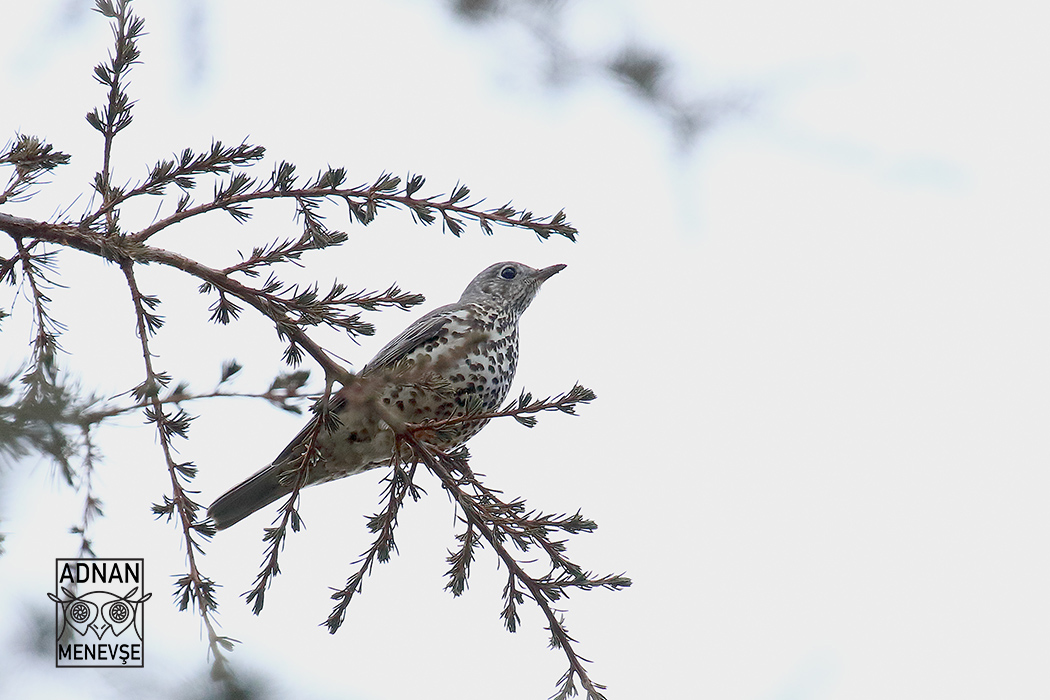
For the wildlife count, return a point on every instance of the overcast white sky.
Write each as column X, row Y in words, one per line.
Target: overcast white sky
column 818, row 339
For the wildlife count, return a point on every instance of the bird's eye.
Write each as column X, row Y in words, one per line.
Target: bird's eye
column 508, row 273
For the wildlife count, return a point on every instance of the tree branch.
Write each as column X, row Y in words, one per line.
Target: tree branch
column 363, row 202
column 119, row 249
column 196, row 588
column 441, row 466
column 298, row 471
column 400, row 483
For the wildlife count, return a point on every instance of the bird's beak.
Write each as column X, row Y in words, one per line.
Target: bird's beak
column 548, row 272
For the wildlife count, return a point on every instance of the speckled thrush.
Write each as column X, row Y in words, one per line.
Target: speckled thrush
column 455, row 360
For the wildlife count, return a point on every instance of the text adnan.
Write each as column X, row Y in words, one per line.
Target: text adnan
column 101, row 572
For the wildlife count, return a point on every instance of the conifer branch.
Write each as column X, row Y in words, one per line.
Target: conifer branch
column 399, row 484
column 120, row 249
column 115, row 115
column 363, row 203
column 193, row 587
column 31, row 158
column 44, row 371
column 495, row 523
column 297, row 474
column 521, row 410
column 279, row 398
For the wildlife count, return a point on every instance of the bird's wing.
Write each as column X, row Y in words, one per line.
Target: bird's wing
column 419, row 333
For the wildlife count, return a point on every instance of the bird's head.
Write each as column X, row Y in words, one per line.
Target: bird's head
column 510, row 284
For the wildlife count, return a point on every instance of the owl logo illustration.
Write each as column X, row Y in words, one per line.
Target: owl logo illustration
column 100, row 612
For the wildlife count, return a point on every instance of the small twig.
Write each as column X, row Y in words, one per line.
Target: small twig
column 565, row 403
column 218, row 160
column 196, row 587
column 277, row 397
column 400, row 484
column 506, row 216
column 289, row 514
column 31, row 158
column 433, row 459
column 116, row 114
column 44, row 339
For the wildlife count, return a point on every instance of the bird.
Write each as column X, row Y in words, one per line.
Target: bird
column 456, row 360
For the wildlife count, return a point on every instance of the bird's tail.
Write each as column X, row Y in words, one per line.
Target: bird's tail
column 245, row 498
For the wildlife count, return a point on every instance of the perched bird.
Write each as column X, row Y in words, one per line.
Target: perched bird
column 455, row 360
